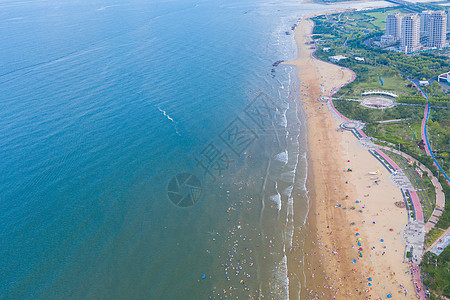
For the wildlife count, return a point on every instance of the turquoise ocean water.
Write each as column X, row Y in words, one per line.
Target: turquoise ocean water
column 148, row 148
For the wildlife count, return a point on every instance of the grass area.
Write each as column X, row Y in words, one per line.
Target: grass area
column 394, row 83
column 353, row 110
column 407, row 134
column 379, row 17
column 433, row 235
column 436, row 273
column 439, row 135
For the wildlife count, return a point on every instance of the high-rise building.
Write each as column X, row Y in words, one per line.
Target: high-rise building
column 448, row 20
column 424, row 22
column 410, row 33
column 393, row 25
column 438, row 29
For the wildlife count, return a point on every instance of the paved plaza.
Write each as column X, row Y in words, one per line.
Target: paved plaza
column 367, row 143
column 414, row 235
column 378, row 102
column 352, row 125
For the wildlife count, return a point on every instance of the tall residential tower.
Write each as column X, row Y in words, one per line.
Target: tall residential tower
column 393, row 25
column 437, row 29
column 410, row 30
column 425, row 22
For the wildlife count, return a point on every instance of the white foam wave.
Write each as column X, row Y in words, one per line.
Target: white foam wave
column 287, row 191
column 290, row 222
column 170, row 119
column 283, row 120
column 281, row 280
column 277, row 199
column 282, row 156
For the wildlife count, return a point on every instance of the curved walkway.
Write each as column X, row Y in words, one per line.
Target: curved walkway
column 426, row 115
column 440, row 196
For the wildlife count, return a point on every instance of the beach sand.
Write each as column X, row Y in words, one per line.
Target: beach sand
column 333, row 267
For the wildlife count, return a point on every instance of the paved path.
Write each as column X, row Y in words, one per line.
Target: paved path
column 442, row 241
column 393, row 120
column 440, row 196
column 414, row 235
column 417, row 281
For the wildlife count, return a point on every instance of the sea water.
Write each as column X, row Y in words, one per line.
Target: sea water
column 149, row 148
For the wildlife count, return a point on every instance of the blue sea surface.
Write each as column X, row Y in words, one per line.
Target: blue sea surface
column 148, row 148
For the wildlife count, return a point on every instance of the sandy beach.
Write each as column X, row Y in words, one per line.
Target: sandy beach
column 353, row 240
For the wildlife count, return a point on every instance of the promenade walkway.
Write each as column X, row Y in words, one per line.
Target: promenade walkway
column 415, row 269
column 440, row 196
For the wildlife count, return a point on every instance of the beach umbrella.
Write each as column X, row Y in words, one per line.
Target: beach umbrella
column 354, row 261
column 359, row 239
column 370, row 278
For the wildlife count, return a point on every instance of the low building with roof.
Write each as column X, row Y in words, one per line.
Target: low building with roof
column 444, row 77
column 336, row 58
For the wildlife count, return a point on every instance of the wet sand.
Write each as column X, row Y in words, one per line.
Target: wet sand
column 345, row 206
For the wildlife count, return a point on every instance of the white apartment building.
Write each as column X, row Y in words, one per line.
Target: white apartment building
column 424, row 22
column 448, row 20
column 410, row 33
column 393, row 25
column 437, row 29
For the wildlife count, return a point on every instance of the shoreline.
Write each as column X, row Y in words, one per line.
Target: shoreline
column 334, row 265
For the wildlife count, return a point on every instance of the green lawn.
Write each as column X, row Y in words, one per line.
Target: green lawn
column 393, row 83
column 380, row 17
column 433, row 235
